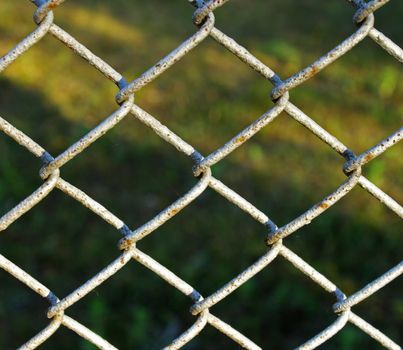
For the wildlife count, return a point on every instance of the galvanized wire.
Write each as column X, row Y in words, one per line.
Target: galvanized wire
column 51, row 174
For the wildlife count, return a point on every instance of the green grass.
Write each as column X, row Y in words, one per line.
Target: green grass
column 56, row 97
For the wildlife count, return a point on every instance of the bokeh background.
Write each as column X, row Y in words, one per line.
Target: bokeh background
column 56, row 97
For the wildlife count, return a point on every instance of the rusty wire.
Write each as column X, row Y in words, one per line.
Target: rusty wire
column 51, row 174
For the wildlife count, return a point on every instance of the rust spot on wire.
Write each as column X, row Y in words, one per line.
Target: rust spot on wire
column 324, row 205
column 369, row 157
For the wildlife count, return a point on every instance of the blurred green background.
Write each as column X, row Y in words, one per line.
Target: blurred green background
column 56, row 97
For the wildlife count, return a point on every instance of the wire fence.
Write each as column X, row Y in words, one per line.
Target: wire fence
column 50, row 173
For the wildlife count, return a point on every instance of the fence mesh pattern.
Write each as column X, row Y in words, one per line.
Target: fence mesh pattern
column 276, row 236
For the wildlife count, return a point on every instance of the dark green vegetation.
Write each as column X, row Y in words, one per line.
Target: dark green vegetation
column 55, row 97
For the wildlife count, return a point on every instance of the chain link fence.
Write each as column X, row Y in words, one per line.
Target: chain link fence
column 50, row 173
